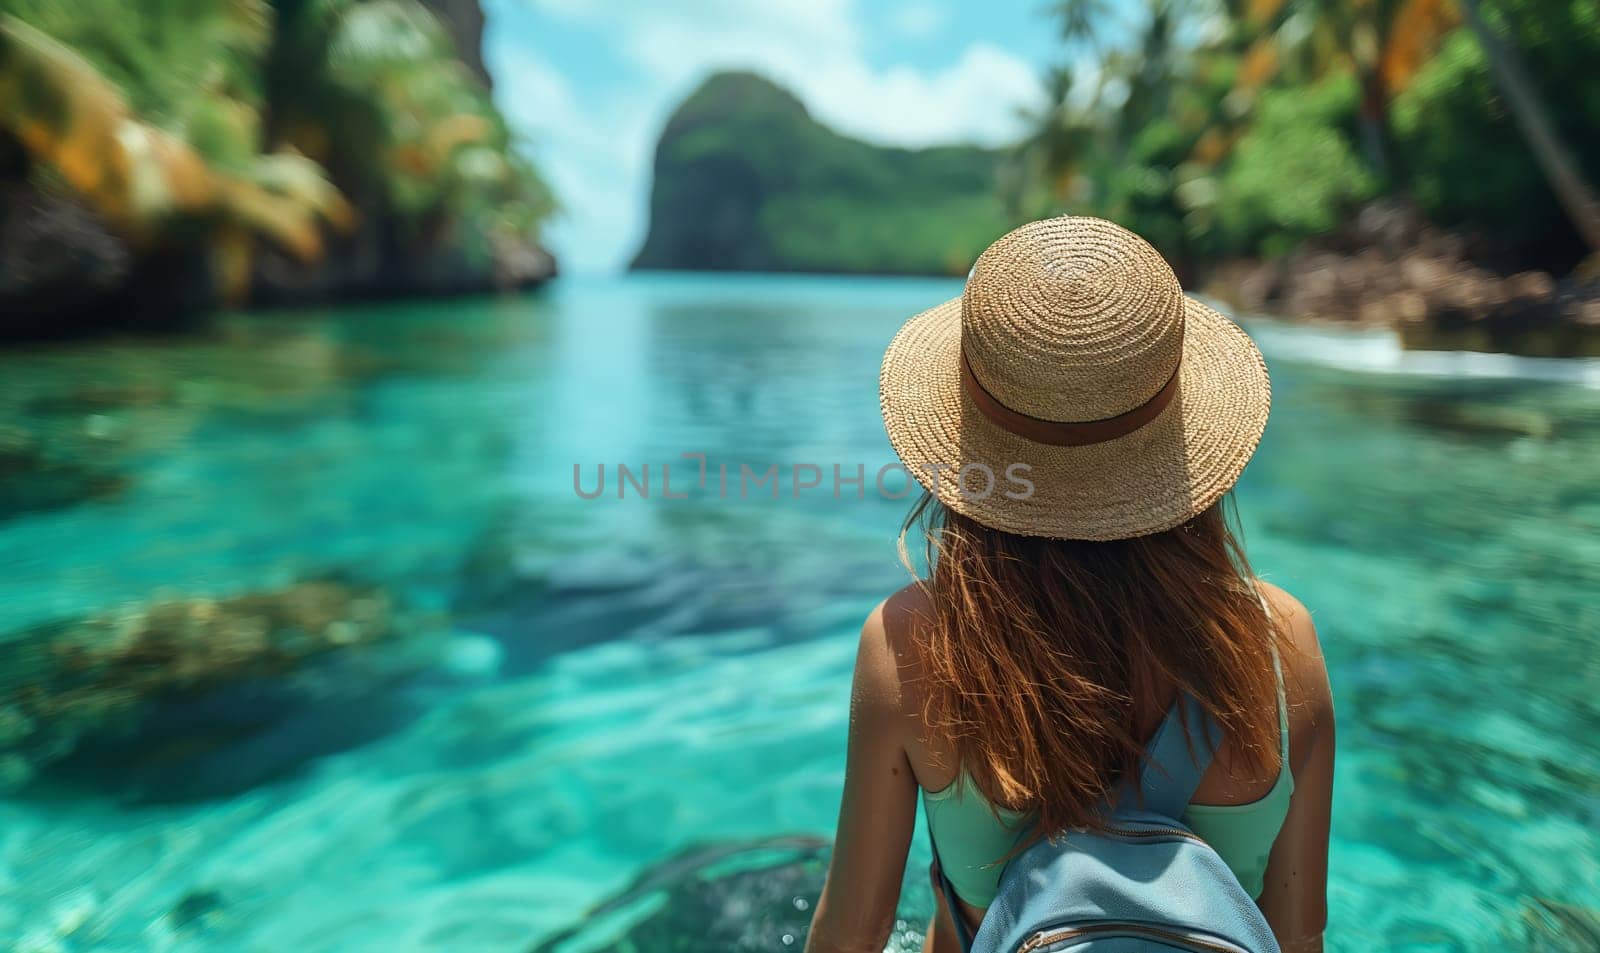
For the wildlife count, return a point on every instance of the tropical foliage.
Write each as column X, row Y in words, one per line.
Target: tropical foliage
column 192, row 158
column 375, row 90
column 1225, row 127
column 1466, row 157
column 215, row 123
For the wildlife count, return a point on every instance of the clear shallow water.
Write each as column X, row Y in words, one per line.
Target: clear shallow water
column 593, row 686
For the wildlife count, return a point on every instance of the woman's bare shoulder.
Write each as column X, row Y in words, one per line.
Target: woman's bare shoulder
column 1310, row 697
column 1293, row 618
column 888, row 662
column 904, row 611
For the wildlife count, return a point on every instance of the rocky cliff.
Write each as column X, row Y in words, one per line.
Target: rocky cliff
column 746, row 179
column 464, row 19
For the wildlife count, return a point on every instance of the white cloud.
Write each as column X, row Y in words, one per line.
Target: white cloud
column 918, row 19
column 536, row 97
column 975, row 99
column 688, row 39
column 598, row 153
column 595, row 154
column 801, row 20
column 816, row 50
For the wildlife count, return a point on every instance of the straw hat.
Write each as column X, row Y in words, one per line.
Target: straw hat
column 1073, row 362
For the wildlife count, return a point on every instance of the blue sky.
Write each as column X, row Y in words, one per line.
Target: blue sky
column 590, row 83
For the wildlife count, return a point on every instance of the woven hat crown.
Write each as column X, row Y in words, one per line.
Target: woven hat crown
column 1072, row 319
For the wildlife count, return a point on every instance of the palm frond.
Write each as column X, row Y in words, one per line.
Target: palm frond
column 65, row 112
column 69, row 116
column 1416, row 31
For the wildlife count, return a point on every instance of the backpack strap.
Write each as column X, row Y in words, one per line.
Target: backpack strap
column 1176, row 759
column 1174, row 763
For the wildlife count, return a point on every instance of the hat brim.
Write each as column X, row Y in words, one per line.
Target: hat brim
column 1153, row 479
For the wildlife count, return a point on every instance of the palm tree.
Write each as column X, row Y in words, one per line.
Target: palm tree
column 1067, row 129
column 1385, row 42
column 1522, row 100
column 1147, row 68
column 1051, row 153
column 1085, row 22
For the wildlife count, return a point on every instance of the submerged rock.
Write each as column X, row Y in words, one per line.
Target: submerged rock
column 34, row 475
column 68, row 683
column 1483, row 420
column 765, row 897
column 1557, row 926
column 763, row 909
column 720, row 898
column 195, row 910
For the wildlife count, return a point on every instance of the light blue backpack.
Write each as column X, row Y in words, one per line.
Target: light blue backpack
column 1146, row 884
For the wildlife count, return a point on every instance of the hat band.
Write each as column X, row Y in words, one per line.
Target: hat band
column 1058, row 433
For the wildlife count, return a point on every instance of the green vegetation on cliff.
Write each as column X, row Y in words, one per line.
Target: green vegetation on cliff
column 279, row 148
column 745, row 179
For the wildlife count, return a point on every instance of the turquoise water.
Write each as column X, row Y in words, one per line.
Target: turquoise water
column 586, row 688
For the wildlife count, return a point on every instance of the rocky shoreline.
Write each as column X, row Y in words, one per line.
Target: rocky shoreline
column 64, row 270
column 1390, row 268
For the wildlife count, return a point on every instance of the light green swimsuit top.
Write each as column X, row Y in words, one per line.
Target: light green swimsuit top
column 971, row 837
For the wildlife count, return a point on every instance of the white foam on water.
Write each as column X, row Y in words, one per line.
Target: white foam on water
column 1379, row 351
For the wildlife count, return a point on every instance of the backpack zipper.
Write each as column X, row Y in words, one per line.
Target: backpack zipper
column 1154, row 832
column 1042, row 939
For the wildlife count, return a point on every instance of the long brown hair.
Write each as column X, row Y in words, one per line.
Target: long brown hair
column 1048, row 662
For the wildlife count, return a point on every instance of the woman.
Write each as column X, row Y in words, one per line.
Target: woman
column 1077, row 421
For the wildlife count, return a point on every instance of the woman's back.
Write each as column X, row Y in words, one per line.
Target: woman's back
column 973, row 836
column 1243, row 817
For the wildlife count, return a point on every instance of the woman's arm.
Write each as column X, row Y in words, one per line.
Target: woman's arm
column 1295, row 896
column 879, row 810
